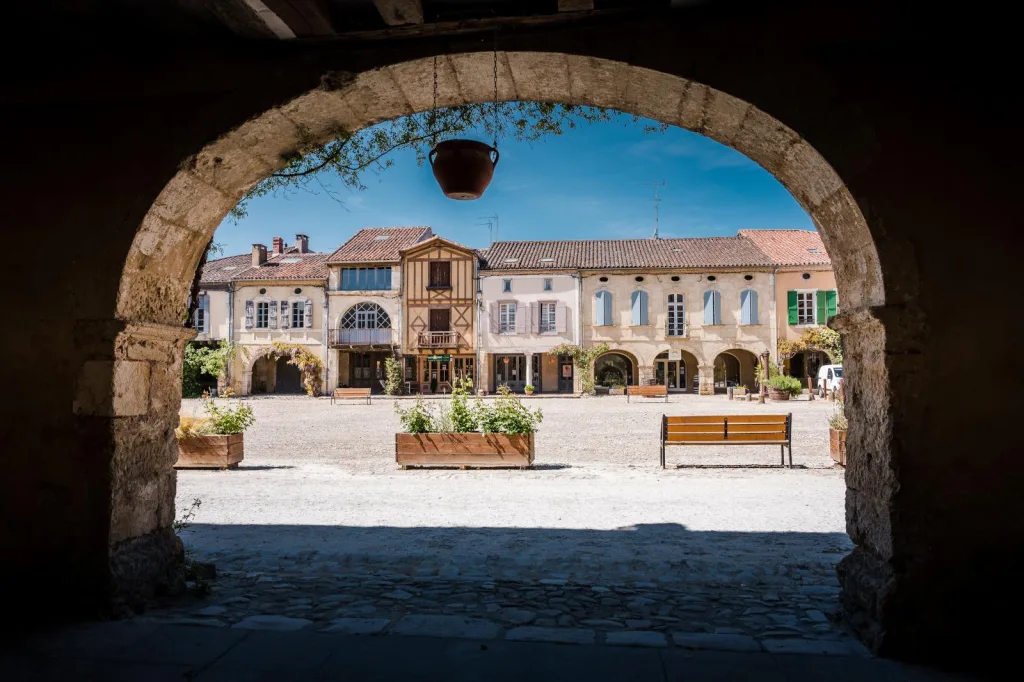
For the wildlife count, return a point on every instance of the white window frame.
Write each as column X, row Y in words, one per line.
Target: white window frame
column 549, row 284
column 814, row 307
column 256, row 315
column 199, row 320
column 300, row 306
column 507, row 318
column 549, row 326
column 506, row 286
column 678, row 308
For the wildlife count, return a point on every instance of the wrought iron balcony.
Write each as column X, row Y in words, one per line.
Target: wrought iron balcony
column 441, row 340
column 362, row 337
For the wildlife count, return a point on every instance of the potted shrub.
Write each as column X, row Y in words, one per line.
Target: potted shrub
column 837, row 426
column 781, row 387
column 215, row 441
column 529, row 389
column 484, row 435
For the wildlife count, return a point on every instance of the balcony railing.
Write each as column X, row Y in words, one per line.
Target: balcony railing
column 361, row 337
column 440, row 340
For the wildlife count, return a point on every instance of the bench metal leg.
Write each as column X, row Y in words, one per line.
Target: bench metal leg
column 783, row 452
column 790, row 455
column 662, row 454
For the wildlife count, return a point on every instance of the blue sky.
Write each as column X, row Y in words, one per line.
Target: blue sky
column 585, row 184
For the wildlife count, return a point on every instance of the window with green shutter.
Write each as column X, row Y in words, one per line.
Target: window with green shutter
column 791, row 303
column 822, row 306
column 831, row 304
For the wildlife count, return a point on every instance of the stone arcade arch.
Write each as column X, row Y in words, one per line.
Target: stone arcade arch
column 173, row 144
column 184, row 216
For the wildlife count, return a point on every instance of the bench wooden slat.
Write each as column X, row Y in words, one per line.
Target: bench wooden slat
column 351, row 393
column 760, row 429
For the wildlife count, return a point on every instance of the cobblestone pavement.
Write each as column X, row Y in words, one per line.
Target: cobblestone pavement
column 318, row 530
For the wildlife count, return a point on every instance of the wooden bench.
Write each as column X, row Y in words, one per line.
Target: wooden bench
column 735, row 429
column 340, row 393
column 652, row 391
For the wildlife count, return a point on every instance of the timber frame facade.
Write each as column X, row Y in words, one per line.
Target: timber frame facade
column 440, row 340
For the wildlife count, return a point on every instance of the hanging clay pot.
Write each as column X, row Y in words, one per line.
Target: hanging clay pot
column 463, row 168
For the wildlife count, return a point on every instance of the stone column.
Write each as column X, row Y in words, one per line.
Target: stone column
column 707, row 379
column 529, row 369
column 645, row 374
column 127, row 397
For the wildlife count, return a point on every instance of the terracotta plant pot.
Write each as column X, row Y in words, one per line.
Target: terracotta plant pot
column 464, row 450
column 776, row 394
column 463, row 168
column 837, row 445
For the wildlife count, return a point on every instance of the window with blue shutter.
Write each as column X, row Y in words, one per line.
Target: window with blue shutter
column 712, row 308
column 638, row 304
column 748, row 307
column 603, row 308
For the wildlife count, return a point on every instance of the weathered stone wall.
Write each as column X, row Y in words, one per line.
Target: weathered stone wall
column 129, row 155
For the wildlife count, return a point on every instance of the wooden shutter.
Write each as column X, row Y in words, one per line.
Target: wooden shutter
column 272, row 315
column 819, row 299
column 561, row 321
column 709, row 308
column 534, row 319
column 493, row 309
column 609, row 317
column 599, row 309
column 794, row 316
column 309, row 314
column 748, row 307
column 286, row 318
column 249, row 314
column 831, row 303
column 643, row 308
column 522, row 313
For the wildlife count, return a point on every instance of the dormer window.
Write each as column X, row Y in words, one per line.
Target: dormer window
column 506, row 286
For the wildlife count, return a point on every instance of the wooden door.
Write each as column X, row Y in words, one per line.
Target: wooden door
column 440, row 319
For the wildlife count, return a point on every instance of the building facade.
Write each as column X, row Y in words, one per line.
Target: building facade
column 275, row 297
column 523, row 316
column 365, row 294
column 439, row 311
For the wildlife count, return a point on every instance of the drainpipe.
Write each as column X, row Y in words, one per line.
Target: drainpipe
column 579, row 309
column 478, row 327
column 774, row 319
column 325, row 325
column 231, row 330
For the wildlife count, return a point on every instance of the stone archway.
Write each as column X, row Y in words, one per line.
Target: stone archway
column 735, row 367
column 172, row 235
column 614, row 367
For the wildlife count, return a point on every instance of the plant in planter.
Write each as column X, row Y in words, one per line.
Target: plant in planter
column 529, row 389
column 781, row 387
column 215, row 441
column 498, row 434
column 837, row 427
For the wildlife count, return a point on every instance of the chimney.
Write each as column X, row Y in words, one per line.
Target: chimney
column 278, row 246
column 259, row 255
column 302, row 241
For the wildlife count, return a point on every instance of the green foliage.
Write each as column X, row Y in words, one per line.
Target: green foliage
column 311, row 367
column 226, row 418
column 415, row 419
column 838, row 419
column 394, row 383
column 529, row 388
column 348, row 155
column 584, row 359
column 821, row 338
column 203, row 359
column 781, row 382
column 507, row 415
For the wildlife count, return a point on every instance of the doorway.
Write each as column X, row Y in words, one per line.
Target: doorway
column 510, row 370
column 289, row 379
column 367, row 371
column 671, row 374
column 565, row 374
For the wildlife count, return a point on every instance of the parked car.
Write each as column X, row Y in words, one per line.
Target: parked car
column 829, row 377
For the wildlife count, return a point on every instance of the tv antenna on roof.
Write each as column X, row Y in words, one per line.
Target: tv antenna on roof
column 491, row 221
column 657, row 200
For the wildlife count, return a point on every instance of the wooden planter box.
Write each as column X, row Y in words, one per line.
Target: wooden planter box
column 837, row 445
column 463, row 450
column 210, row 452
column 776, row 394
column 616, row 391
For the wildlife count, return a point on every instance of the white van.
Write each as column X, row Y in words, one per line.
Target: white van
column 829, row 377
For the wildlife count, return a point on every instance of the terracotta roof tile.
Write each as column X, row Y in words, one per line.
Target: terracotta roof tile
column 790, row 247
column 379, row 244
column 626, row 253
column 289, row 265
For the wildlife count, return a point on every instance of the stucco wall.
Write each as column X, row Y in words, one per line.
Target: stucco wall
column 791, row 281
column 526, row 289
column 704, row 342
column 219, row 324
